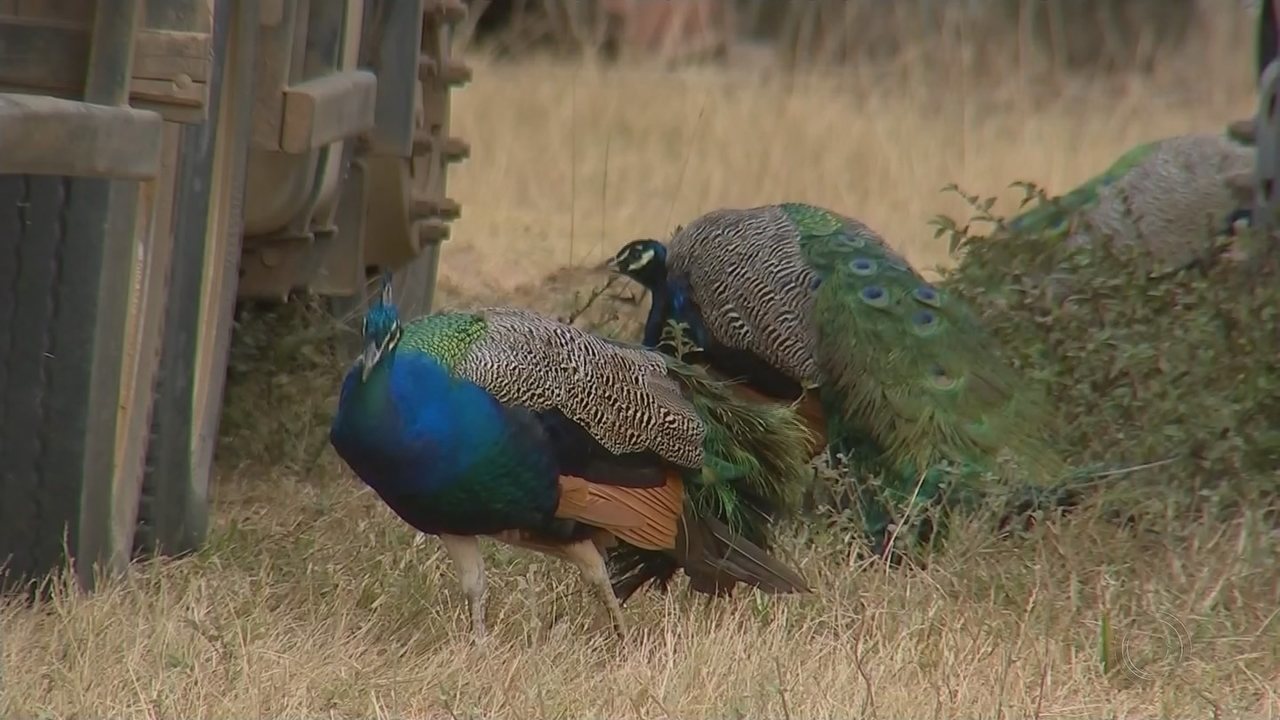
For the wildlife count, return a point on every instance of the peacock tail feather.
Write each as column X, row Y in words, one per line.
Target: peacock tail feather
column 755, row 467
column 933, row 390
column 756, row 459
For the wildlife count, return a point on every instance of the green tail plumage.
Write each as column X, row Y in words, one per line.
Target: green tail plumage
column 913, row 389
column 756, row 454
column 755, row 470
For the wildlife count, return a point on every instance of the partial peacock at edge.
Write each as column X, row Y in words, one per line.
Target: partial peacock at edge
column 1168, row 197
column 505, row 423
column 804, row 304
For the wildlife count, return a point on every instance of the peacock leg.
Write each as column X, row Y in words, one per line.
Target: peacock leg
column 590, row 562
column 464, row 551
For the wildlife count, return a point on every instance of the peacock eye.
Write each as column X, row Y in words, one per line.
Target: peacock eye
column 924, row 318
column 926, row 295
column 939, row 378
column 874, row 295
column 862, row 266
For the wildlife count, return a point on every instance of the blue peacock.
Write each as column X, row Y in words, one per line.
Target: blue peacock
column 806, row 305
column 502, row 422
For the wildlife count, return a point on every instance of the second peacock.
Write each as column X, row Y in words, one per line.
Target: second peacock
column 506, row 423
column 804, row 304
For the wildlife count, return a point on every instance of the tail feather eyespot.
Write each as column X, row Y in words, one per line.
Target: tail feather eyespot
column 862, row 266
column 875, row 296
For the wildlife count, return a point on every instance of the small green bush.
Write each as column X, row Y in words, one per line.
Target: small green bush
column 1185, row 366
column 283, row 376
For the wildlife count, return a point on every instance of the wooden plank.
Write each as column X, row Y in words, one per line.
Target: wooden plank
column 392, row 42
column 183, row 16
column 49, row 58
column 50, row 9
column 50, row 136
column 42, row 56
column 190, row 94
column 329, row 108
column 272, row 72
column 167, row 55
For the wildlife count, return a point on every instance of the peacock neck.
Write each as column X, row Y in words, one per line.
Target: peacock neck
column 409, row 409
column 659, row 311
column 443, row 453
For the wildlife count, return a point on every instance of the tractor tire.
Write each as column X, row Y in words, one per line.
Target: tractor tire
column 66, row 280
column 173, row 512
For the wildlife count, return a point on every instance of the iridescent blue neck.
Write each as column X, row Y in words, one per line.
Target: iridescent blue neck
column 410, row 414
column 659, row 312
column 671, row 301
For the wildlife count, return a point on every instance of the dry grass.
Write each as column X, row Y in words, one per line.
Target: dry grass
column 312, row 599
column 572, row 161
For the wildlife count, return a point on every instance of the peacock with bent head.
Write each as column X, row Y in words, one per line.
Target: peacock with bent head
column 806, row 305
column 506, row 423
column 1168, row 197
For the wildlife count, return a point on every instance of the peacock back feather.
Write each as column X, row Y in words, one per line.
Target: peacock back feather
column 631, row 401
column 621, row 396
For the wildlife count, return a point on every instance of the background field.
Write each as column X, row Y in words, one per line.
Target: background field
column 313, row 600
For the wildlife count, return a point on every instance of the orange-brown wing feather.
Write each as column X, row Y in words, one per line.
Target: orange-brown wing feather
column 644, row 517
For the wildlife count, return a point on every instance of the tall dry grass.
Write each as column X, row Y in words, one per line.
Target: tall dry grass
column 571, row 160
column 312, row 600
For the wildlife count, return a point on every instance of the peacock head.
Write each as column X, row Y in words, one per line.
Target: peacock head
column 644, row 261
column 381, row 328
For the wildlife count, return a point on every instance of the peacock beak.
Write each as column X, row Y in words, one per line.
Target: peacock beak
column 611, row 265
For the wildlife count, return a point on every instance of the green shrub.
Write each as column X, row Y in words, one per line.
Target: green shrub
column 1185, row 366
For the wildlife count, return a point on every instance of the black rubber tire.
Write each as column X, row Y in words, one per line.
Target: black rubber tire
column 64, row 294
column 173, row 512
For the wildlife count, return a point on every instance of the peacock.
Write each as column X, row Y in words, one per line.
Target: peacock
column 505, row 423
column 1168, row 197
column 803, row 304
